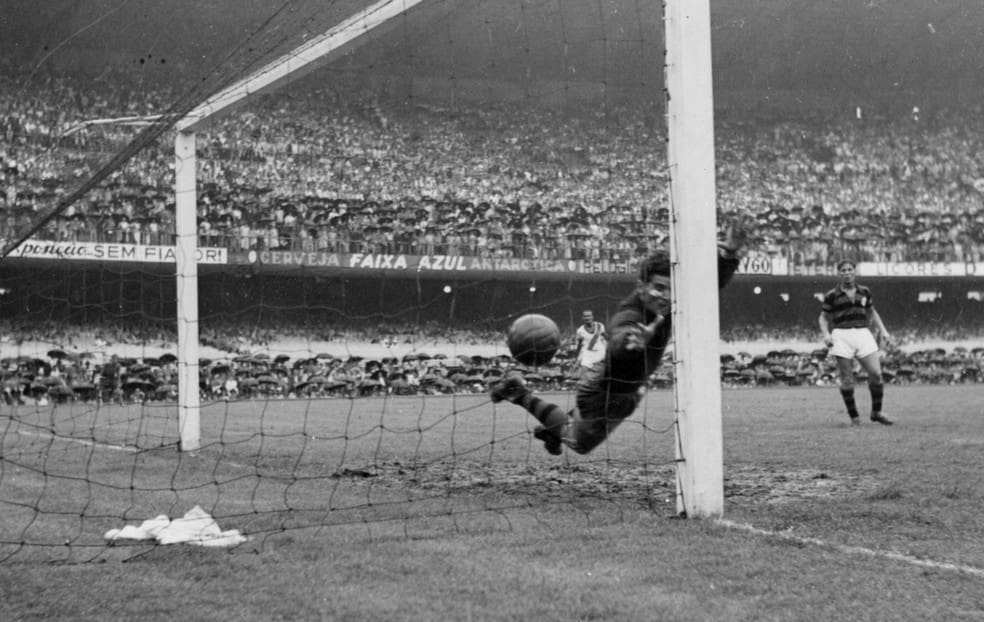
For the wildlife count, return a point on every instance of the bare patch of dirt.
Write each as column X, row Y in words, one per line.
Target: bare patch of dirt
column 770, row 486
column 607, row 480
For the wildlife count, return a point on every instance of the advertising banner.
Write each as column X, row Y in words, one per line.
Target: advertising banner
column 464, row 265
column 752, row 264
column 919, row 269
column 445, row 264
column 103, row 251
column 763, row 265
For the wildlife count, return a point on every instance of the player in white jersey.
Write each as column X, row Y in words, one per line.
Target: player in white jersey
column 592, row 341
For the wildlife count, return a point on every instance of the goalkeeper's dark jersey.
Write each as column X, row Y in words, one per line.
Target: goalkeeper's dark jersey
column 626, row 370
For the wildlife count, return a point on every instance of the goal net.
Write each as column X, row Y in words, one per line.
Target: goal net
column 364, row 234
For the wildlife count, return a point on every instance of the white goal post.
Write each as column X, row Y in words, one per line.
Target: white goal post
column 693, row 237
column 693, row 231
column 274, row 75
column 185, row 247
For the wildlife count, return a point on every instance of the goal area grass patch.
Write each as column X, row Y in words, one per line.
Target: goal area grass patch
column 408, row 497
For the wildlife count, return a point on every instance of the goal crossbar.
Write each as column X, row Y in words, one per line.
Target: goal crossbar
column 300, row 61
column 292, row 65
column 693, row 232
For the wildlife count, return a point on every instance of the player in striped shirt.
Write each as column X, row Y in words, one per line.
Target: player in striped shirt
column 846, row 318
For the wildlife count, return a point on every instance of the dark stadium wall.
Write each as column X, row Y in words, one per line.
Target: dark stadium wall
column 927, row 304
column 240, row 296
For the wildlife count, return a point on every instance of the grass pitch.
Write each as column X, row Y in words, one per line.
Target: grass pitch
column 446, row 508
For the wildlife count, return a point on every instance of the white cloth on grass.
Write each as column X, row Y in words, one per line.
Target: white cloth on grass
column 195, row 527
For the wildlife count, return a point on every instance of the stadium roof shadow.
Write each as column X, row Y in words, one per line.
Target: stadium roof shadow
column 863, row 45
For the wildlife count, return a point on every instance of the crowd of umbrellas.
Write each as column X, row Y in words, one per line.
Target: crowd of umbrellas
column 63, row 377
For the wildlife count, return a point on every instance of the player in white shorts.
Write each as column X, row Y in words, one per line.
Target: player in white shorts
column 852, row 343
column 846, row 318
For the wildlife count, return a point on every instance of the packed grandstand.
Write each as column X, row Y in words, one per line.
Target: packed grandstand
column 319, row 171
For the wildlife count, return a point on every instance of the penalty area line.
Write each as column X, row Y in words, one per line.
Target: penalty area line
column 80, row 441
column 853, row 550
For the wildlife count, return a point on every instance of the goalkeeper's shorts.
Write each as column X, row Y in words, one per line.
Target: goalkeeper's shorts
column 597, row 413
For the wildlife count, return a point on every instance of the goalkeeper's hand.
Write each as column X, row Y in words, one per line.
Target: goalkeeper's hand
column 736, row 234
column 638, row 339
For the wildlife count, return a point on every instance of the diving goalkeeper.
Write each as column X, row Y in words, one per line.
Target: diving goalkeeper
column 639, row 332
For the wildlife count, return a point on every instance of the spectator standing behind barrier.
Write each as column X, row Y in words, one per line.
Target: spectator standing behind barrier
column 845, row 320
column 109, row 381
column 592, row 343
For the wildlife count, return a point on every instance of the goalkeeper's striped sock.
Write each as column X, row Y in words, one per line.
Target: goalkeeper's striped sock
column 852, row 407
column 553, row 417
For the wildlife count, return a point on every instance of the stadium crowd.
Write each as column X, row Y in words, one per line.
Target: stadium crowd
column 322, row 169
column 317, row 168
column 63, row 376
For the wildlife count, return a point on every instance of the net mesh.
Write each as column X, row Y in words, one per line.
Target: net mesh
column 355, row 277
column 312, row 432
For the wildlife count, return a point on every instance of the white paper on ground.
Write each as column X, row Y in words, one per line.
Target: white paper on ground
column 195, row 527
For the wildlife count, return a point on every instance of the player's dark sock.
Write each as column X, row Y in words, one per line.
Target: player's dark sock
column 877, row 392
column 852, row 407
column 550, row 415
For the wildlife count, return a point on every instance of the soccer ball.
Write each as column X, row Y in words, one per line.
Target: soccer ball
column 533, row 339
